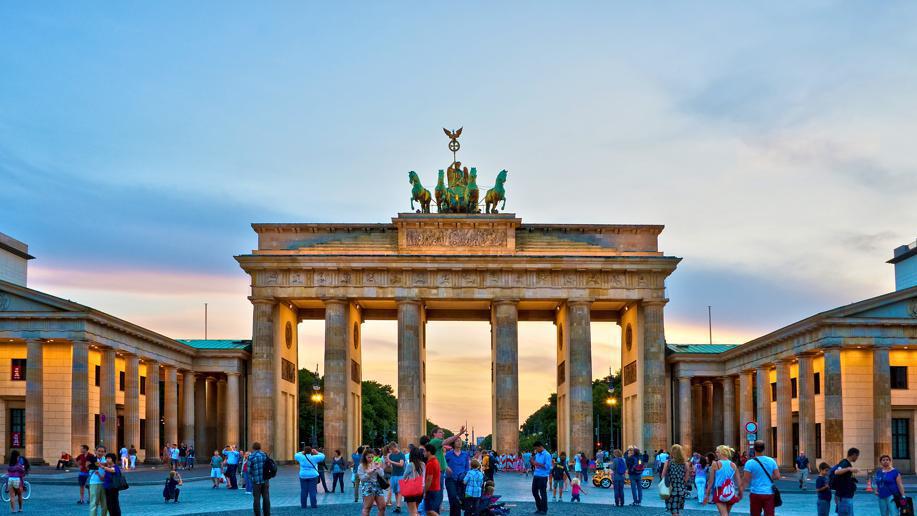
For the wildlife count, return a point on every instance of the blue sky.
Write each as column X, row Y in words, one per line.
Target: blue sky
column 139, row 140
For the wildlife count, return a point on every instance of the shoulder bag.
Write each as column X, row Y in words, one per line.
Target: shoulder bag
column 664, row 490
column 119, row 482
column 412, row 485
column 778, row 500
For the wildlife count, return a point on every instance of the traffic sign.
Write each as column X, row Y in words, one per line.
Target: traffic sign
column 752, row 437
column 751, row 427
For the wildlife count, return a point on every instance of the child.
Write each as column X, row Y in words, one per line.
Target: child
column 823, row 489
column 474, row 484
column 216, row 469
column 171, row 490
column 576, row 489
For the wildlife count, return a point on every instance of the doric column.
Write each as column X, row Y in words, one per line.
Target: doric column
column 131, row 400
column 221, row 413
column 805, row 395
column 410, row 375
column 746, row 404
column 231, row 410
column 337, row 375
column 697, row 407
column 152, row 413
column 264, row 373
column 187, row 417
column 202, row 442
column 882, row 402
column 763, row 381
column 107, row 384
column 34, row 402
column 784, row 415
column 170, row 404
column 716, row 423
column 80, row 418
column 654, row 376
column 729, row 411
column 707, row 414
column 212, row 427
column 684, row 413
column 505, row 363
column 834, row 410
column 579, row 376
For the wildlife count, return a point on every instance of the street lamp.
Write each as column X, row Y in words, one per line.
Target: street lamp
column 611, row 402
column 316, row 399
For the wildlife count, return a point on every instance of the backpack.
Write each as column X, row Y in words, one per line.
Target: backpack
column 621, row 467
column 269, row 468
column 833, row 483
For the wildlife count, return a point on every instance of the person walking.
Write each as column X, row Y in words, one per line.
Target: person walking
column 700, row 477
column 370, row 471
column 261, row 486
column 619, row 470
column 338, row 467
column 541, row 469
column 97, row 505
column 433, row 492
column 396, row 461
column 132, row 455
column 191, row 456
column 889, row 487
column 845, row 485
column 802, row 469
column 15, row 474
column 416, row 467
column 216, row 469
column 722, row 485
column 635, row 472
column 661, row 458
column 458, row 462
column 232, row 465
column 560, row 475
column 355, row 459
column 677, row 474
column 112, row 471
column 83, row 476
column 760, row 474
column 322, row 467
column 246, row 475
column 308, row 476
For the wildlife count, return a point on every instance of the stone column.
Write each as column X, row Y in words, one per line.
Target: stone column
column 805, row 395
column 170, row 404
column 221, row 413
column 34, row 402
column 410, row 375
column 763, row 381
column 505, row 363
column 212, row 426
column 579, row 374
column 697, row 404
column 654, row 376
column 684, row 413
column 834, row 410
column 708, row 414
column 746, row 405
column 264, row 374
column 337, row 375
column 784, row 415
column 716, row 423
column 131, row 400
column 231, row 410
column 187, row 417
column 152, row 413
column 882, row 402
column 729, row 411
column 201, row 439
column 108, row 380
column 80, row 418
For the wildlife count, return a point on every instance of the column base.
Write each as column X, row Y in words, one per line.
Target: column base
column 152, row 462
column 37, row 461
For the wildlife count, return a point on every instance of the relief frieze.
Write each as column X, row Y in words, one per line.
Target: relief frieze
column 455, row 237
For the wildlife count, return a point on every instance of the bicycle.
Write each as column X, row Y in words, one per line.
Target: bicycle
column 5, row 492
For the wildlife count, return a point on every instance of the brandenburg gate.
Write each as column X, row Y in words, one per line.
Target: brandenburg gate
column 457, row 265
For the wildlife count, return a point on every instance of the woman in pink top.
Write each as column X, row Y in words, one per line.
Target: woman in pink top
column 15, row 475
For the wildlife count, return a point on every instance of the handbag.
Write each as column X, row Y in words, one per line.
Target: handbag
column 382, row 481
column 664, row 490
column 119, row 482
column 412, row 486
column 778, row 500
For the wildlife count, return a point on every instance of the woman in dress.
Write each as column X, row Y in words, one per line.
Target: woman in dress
column 676, row 474
column 369, row 473
column 721, row 478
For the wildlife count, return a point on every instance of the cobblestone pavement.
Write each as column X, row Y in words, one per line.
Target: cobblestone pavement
column 198, row 498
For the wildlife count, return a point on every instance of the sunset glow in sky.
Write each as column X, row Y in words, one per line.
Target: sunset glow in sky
column 139, row 140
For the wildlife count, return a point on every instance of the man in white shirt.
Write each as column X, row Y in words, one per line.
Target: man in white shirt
column 760, row 474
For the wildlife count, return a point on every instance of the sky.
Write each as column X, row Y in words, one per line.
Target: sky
column 139, row 140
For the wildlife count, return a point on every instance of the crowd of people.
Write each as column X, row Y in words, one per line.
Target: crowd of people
column 437, row 468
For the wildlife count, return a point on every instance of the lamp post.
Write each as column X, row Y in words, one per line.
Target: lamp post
column 611, row 402
column 316, row 400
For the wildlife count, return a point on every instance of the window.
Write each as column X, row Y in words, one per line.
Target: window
column 899, row 377
column 98, row 373
column 17, row 428
column 774, row 391
column 817, row 438
column 561, row 373
column 17, row 373
column 121, row 381
column 901, row 438
column 142, row 389
column 355, row 371
column 143, row 434
column 287, row 370
column 817, row 378
column 794, row 389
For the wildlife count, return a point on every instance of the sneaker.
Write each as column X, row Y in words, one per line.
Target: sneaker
column 398, row 510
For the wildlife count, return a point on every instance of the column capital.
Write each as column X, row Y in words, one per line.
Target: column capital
column 335, row 301
column 784, row 360
column 580, row 301
column 262, row 300
column 507, row 301
column 233, row 373
column 654, row 302
column 408, row 301
column 707, row 382
column 221, row 380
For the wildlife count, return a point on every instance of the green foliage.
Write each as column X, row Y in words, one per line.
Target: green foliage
column 431, row 425
column 541, row 426
column 308, row 409
column 601, row 411
column 488, row 442
column 380, row 413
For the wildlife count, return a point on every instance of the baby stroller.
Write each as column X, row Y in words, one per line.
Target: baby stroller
column 491, row 506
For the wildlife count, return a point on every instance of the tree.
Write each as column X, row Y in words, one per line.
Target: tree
column 308, row 409
column 380, row 413
column 431, row 426
column 601, row 415
column 487, row 443
column 541, row 425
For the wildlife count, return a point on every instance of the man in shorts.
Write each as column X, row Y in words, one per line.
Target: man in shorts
column 83, row 477
column 433, row 500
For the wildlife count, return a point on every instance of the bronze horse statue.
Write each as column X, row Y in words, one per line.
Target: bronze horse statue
column 496, row 194
column 419, row 193
column 441, row 194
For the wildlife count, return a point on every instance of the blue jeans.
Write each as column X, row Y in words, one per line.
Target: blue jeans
column 308, row 488
column 636, row 489
column 540, row 493
column 845, row 506
column 824, row 507
column 887, row 506
column 619, row 489
column 455, row 489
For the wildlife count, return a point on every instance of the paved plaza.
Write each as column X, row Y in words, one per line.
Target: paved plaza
column 197, row 497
